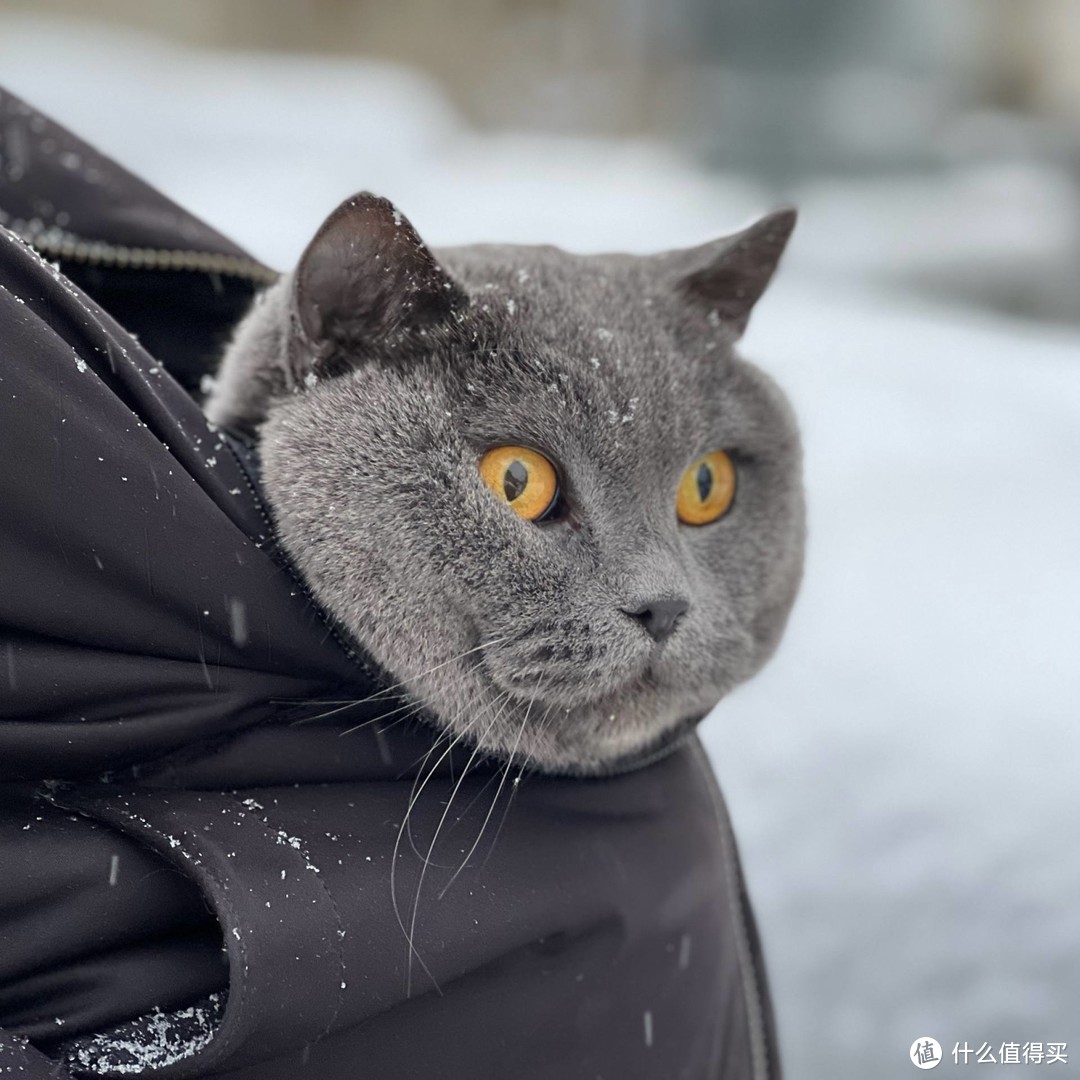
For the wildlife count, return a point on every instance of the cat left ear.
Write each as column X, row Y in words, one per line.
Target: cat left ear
column 368, row 281
column 729, row 276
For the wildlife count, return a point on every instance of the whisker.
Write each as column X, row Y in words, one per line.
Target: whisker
column 414, row 796
column 341, row 707
column 398, row 685
column 409, row 710
column 495, row 800
column 378, row 720
column 545, row 721
column 513, row 790
column 422, row 756
column 420, row 760
column 476, row 798
column 442, row 821
column 504, row 699
column 415, row 706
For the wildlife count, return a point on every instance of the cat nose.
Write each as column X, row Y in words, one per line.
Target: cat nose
column 659, row 616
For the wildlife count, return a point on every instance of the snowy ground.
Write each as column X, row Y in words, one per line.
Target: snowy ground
column 903, row 776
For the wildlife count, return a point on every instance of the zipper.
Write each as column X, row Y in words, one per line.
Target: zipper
column 57, row 244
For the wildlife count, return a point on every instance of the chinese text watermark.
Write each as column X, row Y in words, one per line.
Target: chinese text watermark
column 926, row 1053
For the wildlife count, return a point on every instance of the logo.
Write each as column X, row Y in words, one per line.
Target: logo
column 925, row 1053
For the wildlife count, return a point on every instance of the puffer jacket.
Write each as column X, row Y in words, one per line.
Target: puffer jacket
column 217, row 831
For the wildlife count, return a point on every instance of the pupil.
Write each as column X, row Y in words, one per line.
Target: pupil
column 704, row 482
column 514, row 480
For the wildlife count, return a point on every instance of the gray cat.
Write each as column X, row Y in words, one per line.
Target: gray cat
column 540, row 489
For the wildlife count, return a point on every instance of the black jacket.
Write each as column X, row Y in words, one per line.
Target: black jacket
column 199, row 810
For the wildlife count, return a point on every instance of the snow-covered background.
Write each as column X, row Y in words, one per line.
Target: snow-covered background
column 904, row 776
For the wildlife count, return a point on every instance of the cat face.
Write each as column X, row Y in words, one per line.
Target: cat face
column 540, row 489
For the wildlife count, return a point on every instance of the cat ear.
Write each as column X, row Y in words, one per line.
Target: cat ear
column 367, row 280
column 729, row 275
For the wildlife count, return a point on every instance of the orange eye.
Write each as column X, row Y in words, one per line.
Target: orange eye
column 706, row 489
column 523, row 479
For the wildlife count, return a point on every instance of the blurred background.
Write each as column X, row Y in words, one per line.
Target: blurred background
column 903, row 776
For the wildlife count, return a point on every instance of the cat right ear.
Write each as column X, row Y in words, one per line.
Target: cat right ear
column 729, row 276
column 367, row 284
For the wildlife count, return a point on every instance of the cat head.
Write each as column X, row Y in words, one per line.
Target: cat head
column 542, row 490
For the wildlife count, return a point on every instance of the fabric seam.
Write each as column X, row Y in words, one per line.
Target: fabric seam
column 246, row 811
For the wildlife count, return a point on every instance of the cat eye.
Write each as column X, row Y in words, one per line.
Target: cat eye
column 706, row 489
column 525, row 480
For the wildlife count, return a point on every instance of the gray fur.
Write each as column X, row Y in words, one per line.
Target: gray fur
column 622, row 370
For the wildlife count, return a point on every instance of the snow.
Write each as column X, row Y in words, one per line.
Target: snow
column 902, row 775
column 151, row 1042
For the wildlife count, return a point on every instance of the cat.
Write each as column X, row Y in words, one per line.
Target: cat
column 541, row 490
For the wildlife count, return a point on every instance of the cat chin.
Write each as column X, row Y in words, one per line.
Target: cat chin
column 626, row 719
column 617, row 732
column 569, row 691
column 595, row 742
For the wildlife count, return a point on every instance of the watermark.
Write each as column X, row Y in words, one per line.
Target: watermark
column 926, row 1053
column 1011, row 1053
